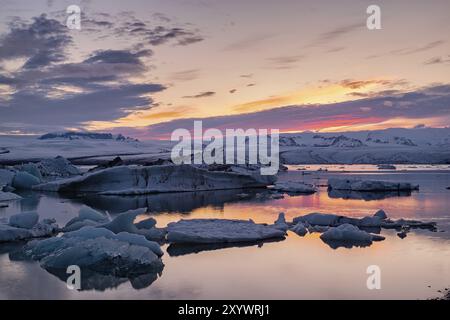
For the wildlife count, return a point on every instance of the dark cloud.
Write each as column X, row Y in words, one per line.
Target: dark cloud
column 118, row 56
column 201, row 95
column 232, row 91
column 45, row 97
column 424, row 103
column 42, row 42
column 408, row 51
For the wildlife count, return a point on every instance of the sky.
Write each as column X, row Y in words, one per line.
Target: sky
column 146, row 68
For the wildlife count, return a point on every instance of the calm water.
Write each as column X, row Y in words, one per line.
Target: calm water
column 296, row 268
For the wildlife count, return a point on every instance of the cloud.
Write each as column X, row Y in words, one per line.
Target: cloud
column 408, row 51
column 421, row 104
column 201, row 95
column 248, row 42
column 285, row 62
column 438, row 60
column 185, row 75
column 42, row 42
column 57, row 94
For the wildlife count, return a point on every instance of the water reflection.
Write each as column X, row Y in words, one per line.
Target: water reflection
column 367, row 196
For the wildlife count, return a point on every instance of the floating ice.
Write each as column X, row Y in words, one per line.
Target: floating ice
column 294, row 187
column 19, row 228
column 348, row 232
column 219, row 231
column 24, row 180
column 25, row 220
column 8, row 196
column 135, row 180
column 369, row 185
column 99, row 250
column 299, row 229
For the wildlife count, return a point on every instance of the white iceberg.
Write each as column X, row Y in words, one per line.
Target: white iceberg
column 58, row 167
column 369, row 185
column 99, row 250
column 6, row 177
column 294, row 187
column 135, row 180
column 219, row 231
column 9, row 196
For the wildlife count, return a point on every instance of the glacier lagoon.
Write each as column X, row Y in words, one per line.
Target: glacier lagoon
column 415, row 267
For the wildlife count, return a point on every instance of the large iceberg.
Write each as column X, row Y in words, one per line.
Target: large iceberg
column 135, row 180
column 369, row 185
column 220, row 231
column 99, row 250
column 349, row 232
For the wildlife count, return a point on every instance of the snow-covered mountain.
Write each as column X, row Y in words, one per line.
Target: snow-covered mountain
column 72, row 135
column 395, row 145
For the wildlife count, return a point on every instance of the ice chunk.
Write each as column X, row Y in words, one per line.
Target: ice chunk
column 30, row 168
column 124, row 222
column 386, row 167
column 381, row 214
column 348, row 232
column 8, row 196
column 146, row 224
column 219, row 231
column 299, row 229
column 25, row 220
column 99, row 250
column 10, row 233
column 58, row 167
column 321, row 219
column 134, row 180
column 6, row 177
column 24, row 180
column 294, row 187
column 369, row 185
column 280, row 223
column 86, row 217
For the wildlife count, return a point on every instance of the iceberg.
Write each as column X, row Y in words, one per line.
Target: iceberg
column 220, row 231
column 24, row 180
column 136, row 180
column 280, row 223
column 99, row 250
column 9, row 196
column 25, row 226
column 369, row 185
column 294, row 187
column 299, row 229
column 347, row 232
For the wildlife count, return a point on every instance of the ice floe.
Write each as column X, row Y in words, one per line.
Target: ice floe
column 99, row 250
column 220, row 231
column 135, row 180
column 369, row 185
column 348, row 235
column 25, row 226
column 294, row 187
column 9, row 196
